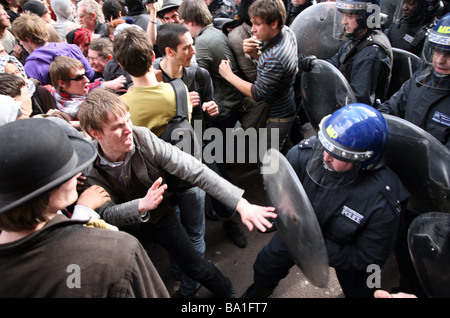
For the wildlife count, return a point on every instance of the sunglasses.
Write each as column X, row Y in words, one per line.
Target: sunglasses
column 76, row 78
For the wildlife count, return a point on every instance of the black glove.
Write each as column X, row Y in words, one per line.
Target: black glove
column 306, row 62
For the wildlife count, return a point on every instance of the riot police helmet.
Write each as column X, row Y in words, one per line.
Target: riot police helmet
column 356, row 134
column 434, row 71
column 416, row 12
column 368, row 12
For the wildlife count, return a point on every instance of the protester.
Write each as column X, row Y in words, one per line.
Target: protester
column 131, row 165
column 31, row 31
column 43, row 252
column 91, row 17
column 277, row 68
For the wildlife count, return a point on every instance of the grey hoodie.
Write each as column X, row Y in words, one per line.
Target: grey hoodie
column 65, row 21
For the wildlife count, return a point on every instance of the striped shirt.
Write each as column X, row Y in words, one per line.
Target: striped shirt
column 277, row 67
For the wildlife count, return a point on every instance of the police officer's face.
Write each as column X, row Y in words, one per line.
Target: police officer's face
column 410, row 8
column 441, row 62
column 349, row 21
column 336, row 164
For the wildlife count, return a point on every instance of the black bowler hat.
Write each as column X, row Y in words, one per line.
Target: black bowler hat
column 35, row 157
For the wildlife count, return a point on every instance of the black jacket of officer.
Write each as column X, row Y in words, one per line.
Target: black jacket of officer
column 359, row 221
column 424, row 106
column 366, row 63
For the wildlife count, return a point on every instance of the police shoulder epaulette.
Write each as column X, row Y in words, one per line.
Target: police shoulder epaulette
column 307, row 143
column 391, row 198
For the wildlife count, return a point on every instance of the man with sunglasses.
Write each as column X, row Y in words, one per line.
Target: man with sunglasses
column 70, row 85
column 31, row 32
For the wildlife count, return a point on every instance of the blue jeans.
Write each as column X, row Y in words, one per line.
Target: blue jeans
column 191, row 212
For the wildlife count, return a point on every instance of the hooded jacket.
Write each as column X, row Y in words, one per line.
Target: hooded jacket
column 65, row 21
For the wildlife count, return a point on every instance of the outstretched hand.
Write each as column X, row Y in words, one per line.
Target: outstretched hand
column 153, row 197
column 254, row 215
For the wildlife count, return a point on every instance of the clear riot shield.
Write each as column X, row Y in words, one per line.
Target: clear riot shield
column 388, row 9
column 324, row 90
column 296, row 221
column 404, row 66
column 313, row 28
column 429, row 246
column 422, row 163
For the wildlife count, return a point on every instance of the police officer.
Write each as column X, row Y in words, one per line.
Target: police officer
column 357, row 200
column 366, row 58
column 424, row 100
column 295, row 7
column 412, row 20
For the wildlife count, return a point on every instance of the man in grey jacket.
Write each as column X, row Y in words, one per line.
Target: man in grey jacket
column 131, row 165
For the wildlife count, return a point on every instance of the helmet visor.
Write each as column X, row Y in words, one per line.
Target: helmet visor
column 324, row 175
column 408, row 11
column 435, row 49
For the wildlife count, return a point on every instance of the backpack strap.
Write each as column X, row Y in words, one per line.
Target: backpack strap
column 181, row 97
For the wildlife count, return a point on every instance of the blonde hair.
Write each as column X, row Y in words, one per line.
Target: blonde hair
column 30, row 26
column 94, row 110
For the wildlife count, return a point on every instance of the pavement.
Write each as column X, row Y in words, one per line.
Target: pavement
column 237, row 263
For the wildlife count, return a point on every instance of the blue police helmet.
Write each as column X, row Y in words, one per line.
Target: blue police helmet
column 439, row 36
column 355, row 133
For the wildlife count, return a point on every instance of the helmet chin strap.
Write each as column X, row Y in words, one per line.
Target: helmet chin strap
column 357, row 32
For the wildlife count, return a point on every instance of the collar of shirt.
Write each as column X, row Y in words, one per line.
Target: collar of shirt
column 105, row 162
column 273, row 41
column 121, row 170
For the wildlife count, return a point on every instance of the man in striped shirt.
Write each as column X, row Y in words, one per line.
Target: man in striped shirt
column 274, row 45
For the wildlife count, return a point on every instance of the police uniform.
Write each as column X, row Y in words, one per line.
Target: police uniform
column 424, row 106
column 366, row 64
column 359, row 222
column 408, row 37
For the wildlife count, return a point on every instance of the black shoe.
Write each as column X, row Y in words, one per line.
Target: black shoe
column 257, row 292
column 271, row 229
column 235, row 233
